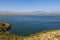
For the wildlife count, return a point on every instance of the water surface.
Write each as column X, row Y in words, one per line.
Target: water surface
column 26, row 25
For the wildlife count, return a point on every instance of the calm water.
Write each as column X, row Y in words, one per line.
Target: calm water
column 26, row 25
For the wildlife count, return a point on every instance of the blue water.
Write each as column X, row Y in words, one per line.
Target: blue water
column 26, row 25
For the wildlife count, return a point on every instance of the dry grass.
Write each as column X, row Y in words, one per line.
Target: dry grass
column 47, row 35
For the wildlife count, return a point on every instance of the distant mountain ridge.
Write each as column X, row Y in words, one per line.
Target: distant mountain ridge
column 30, row 13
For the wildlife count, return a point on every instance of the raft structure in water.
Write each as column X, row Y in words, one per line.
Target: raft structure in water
column 46, row 35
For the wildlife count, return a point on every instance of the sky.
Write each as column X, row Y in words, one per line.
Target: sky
column 30, row 5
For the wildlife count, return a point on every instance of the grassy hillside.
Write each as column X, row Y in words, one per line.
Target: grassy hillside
column 47, row 35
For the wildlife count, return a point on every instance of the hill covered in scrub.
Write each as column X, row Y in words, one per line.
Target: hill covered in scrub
column 46, row 35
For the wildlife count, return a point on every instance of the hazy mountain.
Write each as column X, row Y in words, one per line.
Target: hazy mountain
column 7, row 12
column 29, row 13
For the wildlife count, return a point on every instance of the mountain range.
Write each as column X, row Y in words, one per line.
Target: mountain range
column 40, row 13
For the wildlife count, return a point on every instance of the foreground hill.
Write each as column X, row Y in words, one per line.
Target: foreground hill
column 50, row 35
column 46, row 35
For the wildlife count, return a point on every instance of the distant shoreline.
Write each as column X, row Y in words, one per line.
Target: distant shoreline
column 24, row 15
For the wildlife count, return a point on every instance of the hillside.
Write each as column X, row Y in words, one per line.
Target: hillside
column 50, row 35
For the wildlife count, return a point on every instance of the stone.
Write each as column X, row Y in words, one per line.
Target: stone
column 4, row 26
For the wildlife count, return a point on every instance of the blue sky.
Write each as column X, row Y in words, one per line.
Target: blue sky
column 30, row 5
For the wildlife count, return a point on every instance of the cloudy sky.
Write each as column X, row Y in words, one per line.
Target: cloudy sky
column 30, row 5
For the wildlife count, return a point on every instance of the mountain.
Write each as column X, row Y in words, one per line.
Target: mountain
column 40, row 13
column 55, row 13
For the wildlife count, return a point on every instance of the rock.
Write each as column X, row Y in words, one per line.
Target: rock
column 4, row 26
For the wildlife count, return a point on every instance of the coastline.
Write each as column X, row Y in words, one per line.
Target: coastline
column 46, row 35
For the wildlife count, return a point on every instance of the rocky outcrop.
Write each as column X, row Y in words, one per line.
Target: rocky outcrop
column 4, row 26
